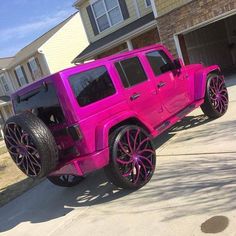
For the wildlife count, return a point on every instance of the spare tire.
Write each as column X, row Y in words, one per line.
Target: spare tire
column 31, row 145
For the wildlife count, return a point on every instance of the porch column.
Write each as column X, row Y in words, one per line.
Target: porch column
column 129, row 45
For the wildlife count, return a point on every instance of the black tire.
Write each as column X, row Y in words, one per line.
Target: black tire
column 114, row 171
column 211, row 107
column 66, row 180
column 31, row 145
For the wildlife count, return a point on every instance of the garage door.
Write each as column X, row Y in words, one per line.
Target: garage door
column 211, row 45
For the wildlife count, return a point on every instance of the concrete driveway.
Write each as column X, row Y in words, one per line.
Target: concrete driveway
column 195, row 180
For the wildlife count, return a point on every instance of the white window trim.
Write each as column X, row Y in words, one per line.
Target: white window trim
column 106, row 13
column 136, row 8
column 31, row 59
column 19, row 67
column 147, row 6
column 3, row 78
column 38, row 67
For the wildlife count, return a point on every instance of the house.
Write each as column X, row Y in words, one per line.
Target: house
column 114, row 26
column 199, row 30
column 6, row 88
column 51, row 52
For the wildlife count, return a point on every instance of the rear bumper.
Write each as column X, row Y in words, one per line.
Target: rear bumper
column 84, row 164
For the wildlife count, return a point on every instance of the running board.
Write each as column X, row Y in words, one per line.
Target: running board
column 167, row 124
column 163, row 126
column 186, row 111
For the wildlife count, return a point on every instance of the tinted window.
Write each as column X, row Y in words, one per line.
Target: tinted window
column 43, row 102
column 92, row 85
column 158, row 61
column 131, row 72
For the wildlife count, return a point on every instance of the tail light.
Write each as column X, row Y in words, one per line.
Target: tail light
column 75, row 132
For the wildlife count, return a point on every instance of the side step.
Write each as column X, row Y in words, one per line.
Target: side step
column 167, row 124
column 186, row 111
column 163, row 126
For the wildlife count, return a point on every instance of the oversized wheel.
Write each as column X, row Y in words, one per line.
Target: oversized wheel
column 216, row 97
column 66, row 180
column 31, row 145
column 132, row 158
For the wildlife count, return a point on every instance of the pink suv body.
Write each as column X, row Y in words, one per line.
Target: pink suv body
column 144, row 87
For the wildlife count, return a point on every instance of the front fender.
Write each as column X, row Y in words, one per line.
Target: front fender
column 102, row 130
column 201, row 80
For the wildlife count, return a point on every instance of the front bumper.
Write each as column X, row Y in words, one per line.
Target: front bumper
column 84, row 165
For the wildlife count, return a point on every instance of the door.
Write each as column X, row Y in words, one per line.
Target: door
column 139, row 90
column 172, row 87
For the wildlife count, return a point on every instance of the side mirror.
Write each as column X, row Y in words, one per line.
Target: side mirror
column 178, row 63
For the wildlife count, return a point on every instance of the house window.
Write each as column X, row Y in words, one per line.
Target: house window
column 107, row 13
column 20, row 75
column 4, row 83
column 148, row 3
column 34, row 68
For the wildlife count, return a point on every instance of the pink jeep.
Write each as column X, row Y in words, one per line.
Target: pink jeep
column 106, row 113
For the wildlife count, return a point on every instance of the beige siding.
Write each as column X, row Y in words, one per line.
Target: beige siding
column 132, row 13
column 165, row 6
column 65, row 45
column 27, row 72
column 9, row 83
column 2, row 92
column 144, row 10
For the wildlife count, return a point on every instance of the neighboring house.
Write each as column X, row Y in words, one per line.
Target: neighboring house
column 114, row 26
column 6, row 88
column 199, row 30
column 51, row 52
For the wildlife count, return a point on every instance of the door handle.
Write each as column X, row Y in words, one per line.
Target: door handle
column 161, row 84
column 135, row 96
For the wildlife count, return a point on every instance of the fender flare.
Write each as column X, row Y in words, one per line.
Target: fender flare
column 201, row 81
column 102, row 130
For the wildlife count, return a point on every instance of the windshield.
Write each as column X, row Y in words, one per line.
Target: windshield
column 42, row 102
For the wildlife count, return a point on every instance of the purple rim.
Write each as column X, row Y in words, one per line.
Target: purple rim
column 135, row 156
column 69, row 178
column 219, row 95
column 22, row 149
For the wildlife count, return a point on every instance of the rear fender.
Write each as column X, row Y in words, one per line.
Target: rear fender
column 201, row 80
column 102, row 130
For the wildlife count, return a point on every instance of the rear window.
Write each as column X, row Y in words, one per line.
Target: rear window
column 42, row 102
column 92, row 85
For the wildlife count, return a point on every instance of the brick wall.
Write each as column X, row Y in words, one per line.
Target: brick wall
column 114, row 50
column 189, row 15
column 164, row 6
column 146, row 39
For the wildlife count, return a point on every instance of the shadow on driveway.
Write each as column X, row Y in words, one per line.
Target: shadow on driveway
column 191, row 180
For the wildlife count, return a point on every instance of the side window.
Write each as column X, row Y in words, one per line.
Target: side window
column 131, row 72
column 92, row 85
column 159, row 61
